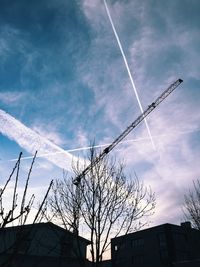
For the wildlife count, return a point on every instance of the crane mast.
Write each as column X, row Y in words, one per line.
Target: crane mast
column 133, row 125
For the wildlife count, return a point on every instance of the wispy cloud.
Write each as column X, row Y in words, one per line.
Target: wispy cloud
column 75, row 80
column 50, row 133
column 31, row 141
column 175, row 163
column 128, row 70
column 8, row 36
column 11, row 97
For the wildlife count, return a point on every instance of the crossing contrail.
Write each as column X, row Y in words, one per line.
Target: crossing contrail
column 141, row 139
column 129, row 73
column 32, row 141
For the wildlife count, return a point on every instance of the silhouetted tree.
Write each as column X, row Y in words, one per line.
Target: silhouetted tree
column 191, row 205
column 18, row 209
column 106, row 203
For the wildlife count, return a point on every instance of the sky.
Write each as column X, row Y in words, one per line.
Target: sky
column 64, row 84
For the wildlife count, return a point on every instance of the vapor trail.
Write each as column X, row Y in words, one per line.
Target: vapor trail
column 105, row 145
column 129, row 73
column 32, row 141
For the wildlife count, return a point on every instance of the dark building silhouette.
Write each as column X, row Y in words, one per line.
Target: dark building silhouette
column 41, row 245
column 165, row 245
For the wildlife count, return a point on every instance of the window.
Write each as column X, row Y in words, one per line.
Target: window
column 137, row 260
column 180, row 241
column 137, row 243
column 162, row 240
column 164, row 254
column 22, row 243
column 119, row 246
column 66, row 246
column 182, row 255
column 121, row 262
column 65, row 249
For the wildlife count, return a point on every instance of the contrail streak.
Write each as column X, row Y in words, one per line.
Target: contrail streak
column 32, row 141
column 105, row 145
column 129, row 73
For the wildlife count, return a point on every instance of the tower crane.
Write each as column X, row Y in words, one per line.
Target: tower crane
column 110, row 147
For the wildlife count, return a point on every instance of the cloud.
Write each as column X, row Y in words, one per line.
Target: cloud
column 82, row 138
column 158, row 45
column 8, row 36
column 128, row 70
column 172, row 167
column 90, row 10
column 88, row 94
column 31, row 141
column 49, row 132
column 9, row 98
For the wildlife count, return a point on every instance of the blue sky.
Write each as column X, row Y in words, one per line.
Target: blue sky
column 64, row 78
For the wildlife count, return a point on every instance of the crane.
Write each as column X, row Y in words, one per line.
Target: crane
column 110, row 147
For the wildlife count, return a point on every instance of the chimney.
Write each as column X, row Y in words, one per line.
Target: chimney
column 186, row 225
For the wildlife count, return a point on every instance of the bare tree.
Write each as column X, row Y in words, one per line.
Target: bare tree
column 18, row 210
column 106, row 203
column 191, row 205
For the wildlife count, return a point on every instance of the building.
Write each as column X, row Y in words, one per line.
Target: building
column 188, row 263
column 42, row 244
column 104, row 263
column 166, row 245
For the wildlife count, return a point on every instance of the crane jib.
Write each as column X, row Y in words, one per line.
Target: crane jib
column 140, row 118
